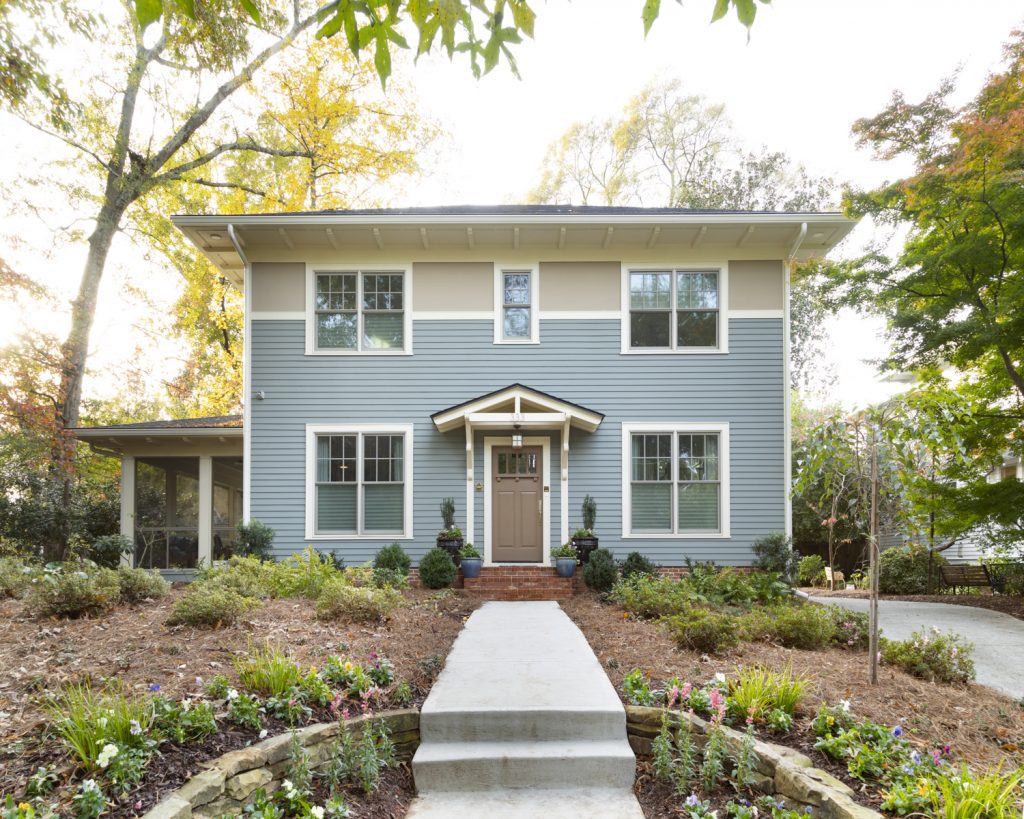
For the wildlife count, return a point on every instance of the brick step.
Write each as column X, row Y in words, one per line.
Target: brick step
column 520, row 594
column 519, row 582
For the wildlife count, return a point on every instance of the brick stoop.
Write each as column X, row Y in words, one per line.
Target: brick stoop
column 522, row 583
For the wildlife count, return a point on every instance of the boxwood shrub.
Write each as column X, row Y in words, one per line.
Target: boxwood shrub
column 437, row 569
column 703, row 630
column 393, row 557
column 599, row 573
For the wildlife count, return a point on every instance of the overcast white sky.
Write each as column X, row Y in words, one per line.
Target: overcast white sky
column 810, row 69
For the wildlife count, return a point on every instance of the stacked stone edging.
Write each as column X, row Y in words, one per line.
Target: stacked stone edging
column 780, row 770
column 231, row 779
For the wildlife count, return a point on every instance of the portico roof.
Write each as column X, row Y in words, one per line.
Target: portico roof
column 517, row 406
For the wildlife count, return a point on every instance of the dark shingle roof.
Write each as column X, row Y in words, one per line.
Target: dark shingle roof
column 210, row 422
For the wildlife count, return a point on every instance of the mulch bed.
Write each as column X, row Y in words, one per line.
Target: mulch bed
column 983, row 727
column 133, row 646
column 981, row 599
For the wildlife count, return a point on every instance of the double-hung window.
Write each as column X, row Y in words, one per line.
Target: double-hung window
column 360, row 482
column 360, row 311
column 677, row 479
column 516, row 318
column 674, row 309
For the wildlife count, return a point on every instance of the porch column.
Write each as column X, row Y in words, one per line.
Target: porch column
column 205, row 510
column 565, row 482
column 128, row 504
column 470, row 497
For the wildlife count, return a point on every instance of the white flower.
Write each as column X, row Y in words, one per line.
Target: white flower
column 89, row 785
column 102, row 722
column 289, row 789
column 720, row 677
column 106, row 755
column 232, row 694
column 317, row 811
column 263, row 734
column 845, row 705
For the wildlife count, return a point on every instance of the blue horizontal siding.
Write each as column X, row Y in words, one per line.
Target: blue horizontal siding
column 578, row 361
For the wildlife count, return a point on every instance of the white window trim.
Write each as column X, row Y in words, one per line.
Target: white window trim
column 312, row 431
column 673, row 428
column 499, row 302
column 359, row 268
column 543, row 441
column 723, row 308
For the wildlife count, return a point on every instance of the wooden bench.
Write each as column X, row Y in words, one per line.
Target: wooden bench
column 964, row 577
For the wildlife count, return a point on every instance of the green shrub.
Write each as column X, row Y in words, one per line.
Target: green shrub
column 210, row 604
column 932, row 655
column 140, row 584
column 652, row 597
column 758, row 691
column 437, row 570
column 393, row 557
column 342, row 601
column 849, row 628
column 1007, row 577
column 390, row 578
column 703, row 630
column 302, row 575
column 833, row 720
column 74, row 590
column 636, row 564
column 964, row 794
column 811, row 571
column 248, row 576
column 774, row 553
column 255, row 539
column 108, row 550
column 904, row 570
column 16, row 576
column 599, row 573
column 804, row 626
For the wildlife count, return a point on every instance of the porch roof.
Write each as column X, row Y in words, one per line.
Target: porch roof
column 517, row 406
column 215, row 430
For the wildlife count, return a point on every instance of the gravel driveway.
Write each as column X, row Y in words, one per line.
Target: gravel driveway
column 998, row 638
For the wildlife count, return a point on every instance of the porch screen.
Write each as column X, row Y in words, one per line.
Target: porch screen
column 166, row 513
column 360, row 483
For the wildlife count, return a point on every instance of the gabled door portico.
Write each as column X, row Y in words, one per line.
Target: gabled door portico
column 512, row 413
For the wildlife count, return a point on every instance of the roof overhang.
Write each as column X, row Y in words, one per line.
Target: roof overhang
column 796, row 236
column 118, row 439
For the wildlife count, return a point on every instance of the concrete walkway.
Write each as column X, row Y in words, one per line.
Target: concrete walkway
column 998, row 638
column 523, row 722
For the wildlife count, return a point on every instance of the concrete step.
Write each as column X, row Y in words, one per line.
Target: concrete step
column 479, row 766
column 596, row 803
column 519, row 723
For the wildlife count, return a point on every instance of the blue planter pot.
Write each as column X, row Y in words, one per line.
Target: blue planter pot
column 565, row 566
column 471, row 566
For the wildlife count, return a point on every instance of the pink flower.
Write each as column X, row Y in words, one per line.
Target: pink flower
column 673, row 695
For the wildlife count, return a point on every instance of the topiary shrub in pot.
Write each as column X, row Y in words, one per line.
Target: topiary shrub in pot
column 450, row 537
column 437, row 569
column 599, row 572
column 471, row 561
column 584, row 539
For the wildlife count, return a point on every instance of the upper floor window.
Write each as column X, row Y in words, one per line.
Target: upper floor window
column 674, row 309
column 515, row 321
column 360, row 311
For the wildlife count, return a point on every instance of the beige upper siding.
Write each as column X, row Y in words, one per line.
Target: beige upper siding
column 565, row 286
column 453, row 286
column 278, row 286
column 756, row 285
column 580, row 286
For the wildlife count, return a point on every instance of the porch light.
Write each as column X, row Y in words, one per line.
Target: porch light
column 517, row 441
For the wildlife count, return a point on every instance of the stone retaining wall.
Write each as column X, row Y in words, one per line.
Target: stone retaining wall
column 780, row 771
column 230, row 780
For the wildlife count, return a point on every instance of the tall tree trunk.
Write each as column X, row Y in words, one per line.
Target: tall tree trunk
column 83, row 312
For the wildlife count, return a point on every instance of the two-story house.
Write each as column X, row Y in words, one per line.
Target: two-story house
column 515, row 358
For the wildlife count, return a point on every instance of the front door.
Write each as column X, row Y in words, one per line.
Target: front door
column 517, row 497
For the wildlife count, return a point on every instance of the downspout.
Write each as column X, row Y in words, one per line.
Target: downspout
column 246, row 375
column 787, row 466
